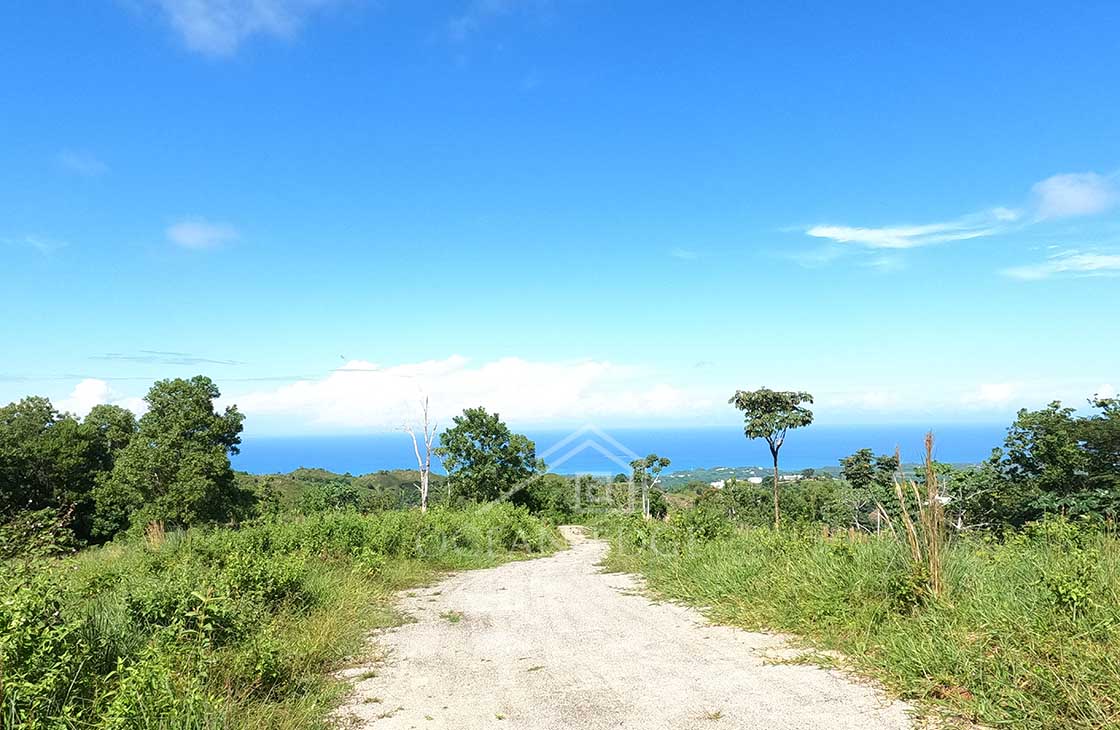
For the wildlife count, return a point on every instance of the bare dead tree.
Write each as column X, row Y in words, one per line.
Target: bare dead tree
column 423, row 462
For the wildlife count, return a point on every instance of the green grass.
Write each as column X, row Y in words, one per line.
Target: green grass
column 1024, row 637
column 226, row 628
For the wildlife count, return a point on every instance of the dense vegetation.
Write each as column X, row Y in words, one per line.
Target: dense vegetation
column 1026, row 635
column 145, row 584
column 221, row 628
column 208, row 599
column 991, row 592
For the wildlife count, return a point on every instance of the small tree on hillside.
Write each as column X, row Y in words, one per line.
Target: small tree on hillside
column 484, row 459
column 423, row 463
column 646, row 473
column 769, row 414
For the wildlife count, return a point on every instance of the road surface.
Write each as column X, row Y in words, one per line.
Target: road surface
column 556, row 643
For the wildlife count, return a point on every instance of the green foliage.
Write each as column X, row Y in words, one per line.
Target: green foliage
column 703, row 523
column 330, row 496
column 50, row 461
column 1056, row 462
column 770, row 414
column 1025, row 635
column 176, row 468
column 483, row 458
column 551, row 496
column 217, row 628
column 36, row 534
column 646, row 473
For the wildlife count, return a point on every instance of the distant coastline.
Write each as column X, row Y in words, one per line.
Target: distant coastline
column 705, row 448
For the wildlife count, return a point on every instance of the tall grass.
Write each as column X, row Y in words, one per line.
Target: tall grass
column 224, row 628
column 925, row 535
column 1022, row 635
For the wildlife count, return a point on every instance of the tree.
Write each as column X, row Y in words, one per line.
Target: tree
column 176, row 468
column 770, row 414
column 48, row 461
column 483, row 458
column 112, row 427
column 646, row 473
column 1056, row 462
column 424, row 463
column 872, row 485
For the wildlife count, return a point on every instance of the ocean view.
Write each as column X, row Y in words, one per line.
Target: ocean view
column 691, row 448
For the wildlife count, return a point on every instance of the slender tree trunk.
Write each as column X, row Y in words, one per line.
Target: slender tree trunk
column 777, row 510
column 424, row 463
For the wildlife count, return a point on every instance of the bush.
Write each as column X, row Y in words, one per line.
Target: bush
column 702, row 523
column 198, row 628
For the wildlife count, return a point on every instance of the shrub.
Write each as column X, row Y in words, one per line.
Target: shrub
column 210, row 628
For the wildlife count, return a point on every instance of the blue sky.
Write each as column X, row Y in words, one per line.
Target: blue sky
column 567, row 211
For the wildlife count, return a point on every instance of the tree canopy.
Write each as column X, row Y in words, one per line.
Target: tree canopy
column 483, row 458
column 176, row 468
column 770, row 414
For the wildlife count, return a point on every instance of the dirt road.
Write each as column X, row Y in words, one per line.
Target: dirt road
column 555, row 643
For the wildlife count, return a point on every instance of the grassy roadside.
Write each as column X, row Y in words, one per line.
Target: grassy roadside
column 1025, row 636
column 226, row 628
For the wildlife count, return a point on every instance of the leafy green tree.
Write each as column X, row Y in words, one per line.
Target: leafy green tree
column 770, row 414
column 646, row 473
column 1100, row 435
column 176, row 468
column 550, row 495
column 111, row 428
column 48, row 461
column 871, row 479
column 483, row 458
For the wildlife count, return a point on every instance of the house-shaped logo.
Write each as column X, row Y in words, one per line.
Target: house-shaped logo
column 611, row 454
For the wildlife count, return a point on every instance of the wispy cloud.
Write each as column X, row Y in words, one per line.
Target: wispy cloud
column 45, row 246
column 684, row 254
column 164, row 357
column 1069, row 263
column 219, row 27
column 81, row 163
column 1074, row 194
column 1061, row 196
column 976, row 225
column 479, row 13
column 201, row 234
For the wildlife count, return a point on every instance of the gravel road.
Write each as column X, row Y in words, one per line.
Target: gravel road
column 555, row 643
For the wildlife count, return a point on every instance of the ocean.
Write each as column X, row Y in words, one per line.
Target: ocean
column 607, row 452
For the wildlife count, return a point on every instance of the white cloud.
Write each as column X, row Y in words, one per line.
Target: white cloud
column 200, row 234
column 219, row 27
column 81, row 163
column 1106, row 391
column 992, row 394
column 914, row 236
column 1060, row 196
column 1074, row 194
column 1074, row 263
column 91, row 392
column 685, row 254
column 364, row 395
